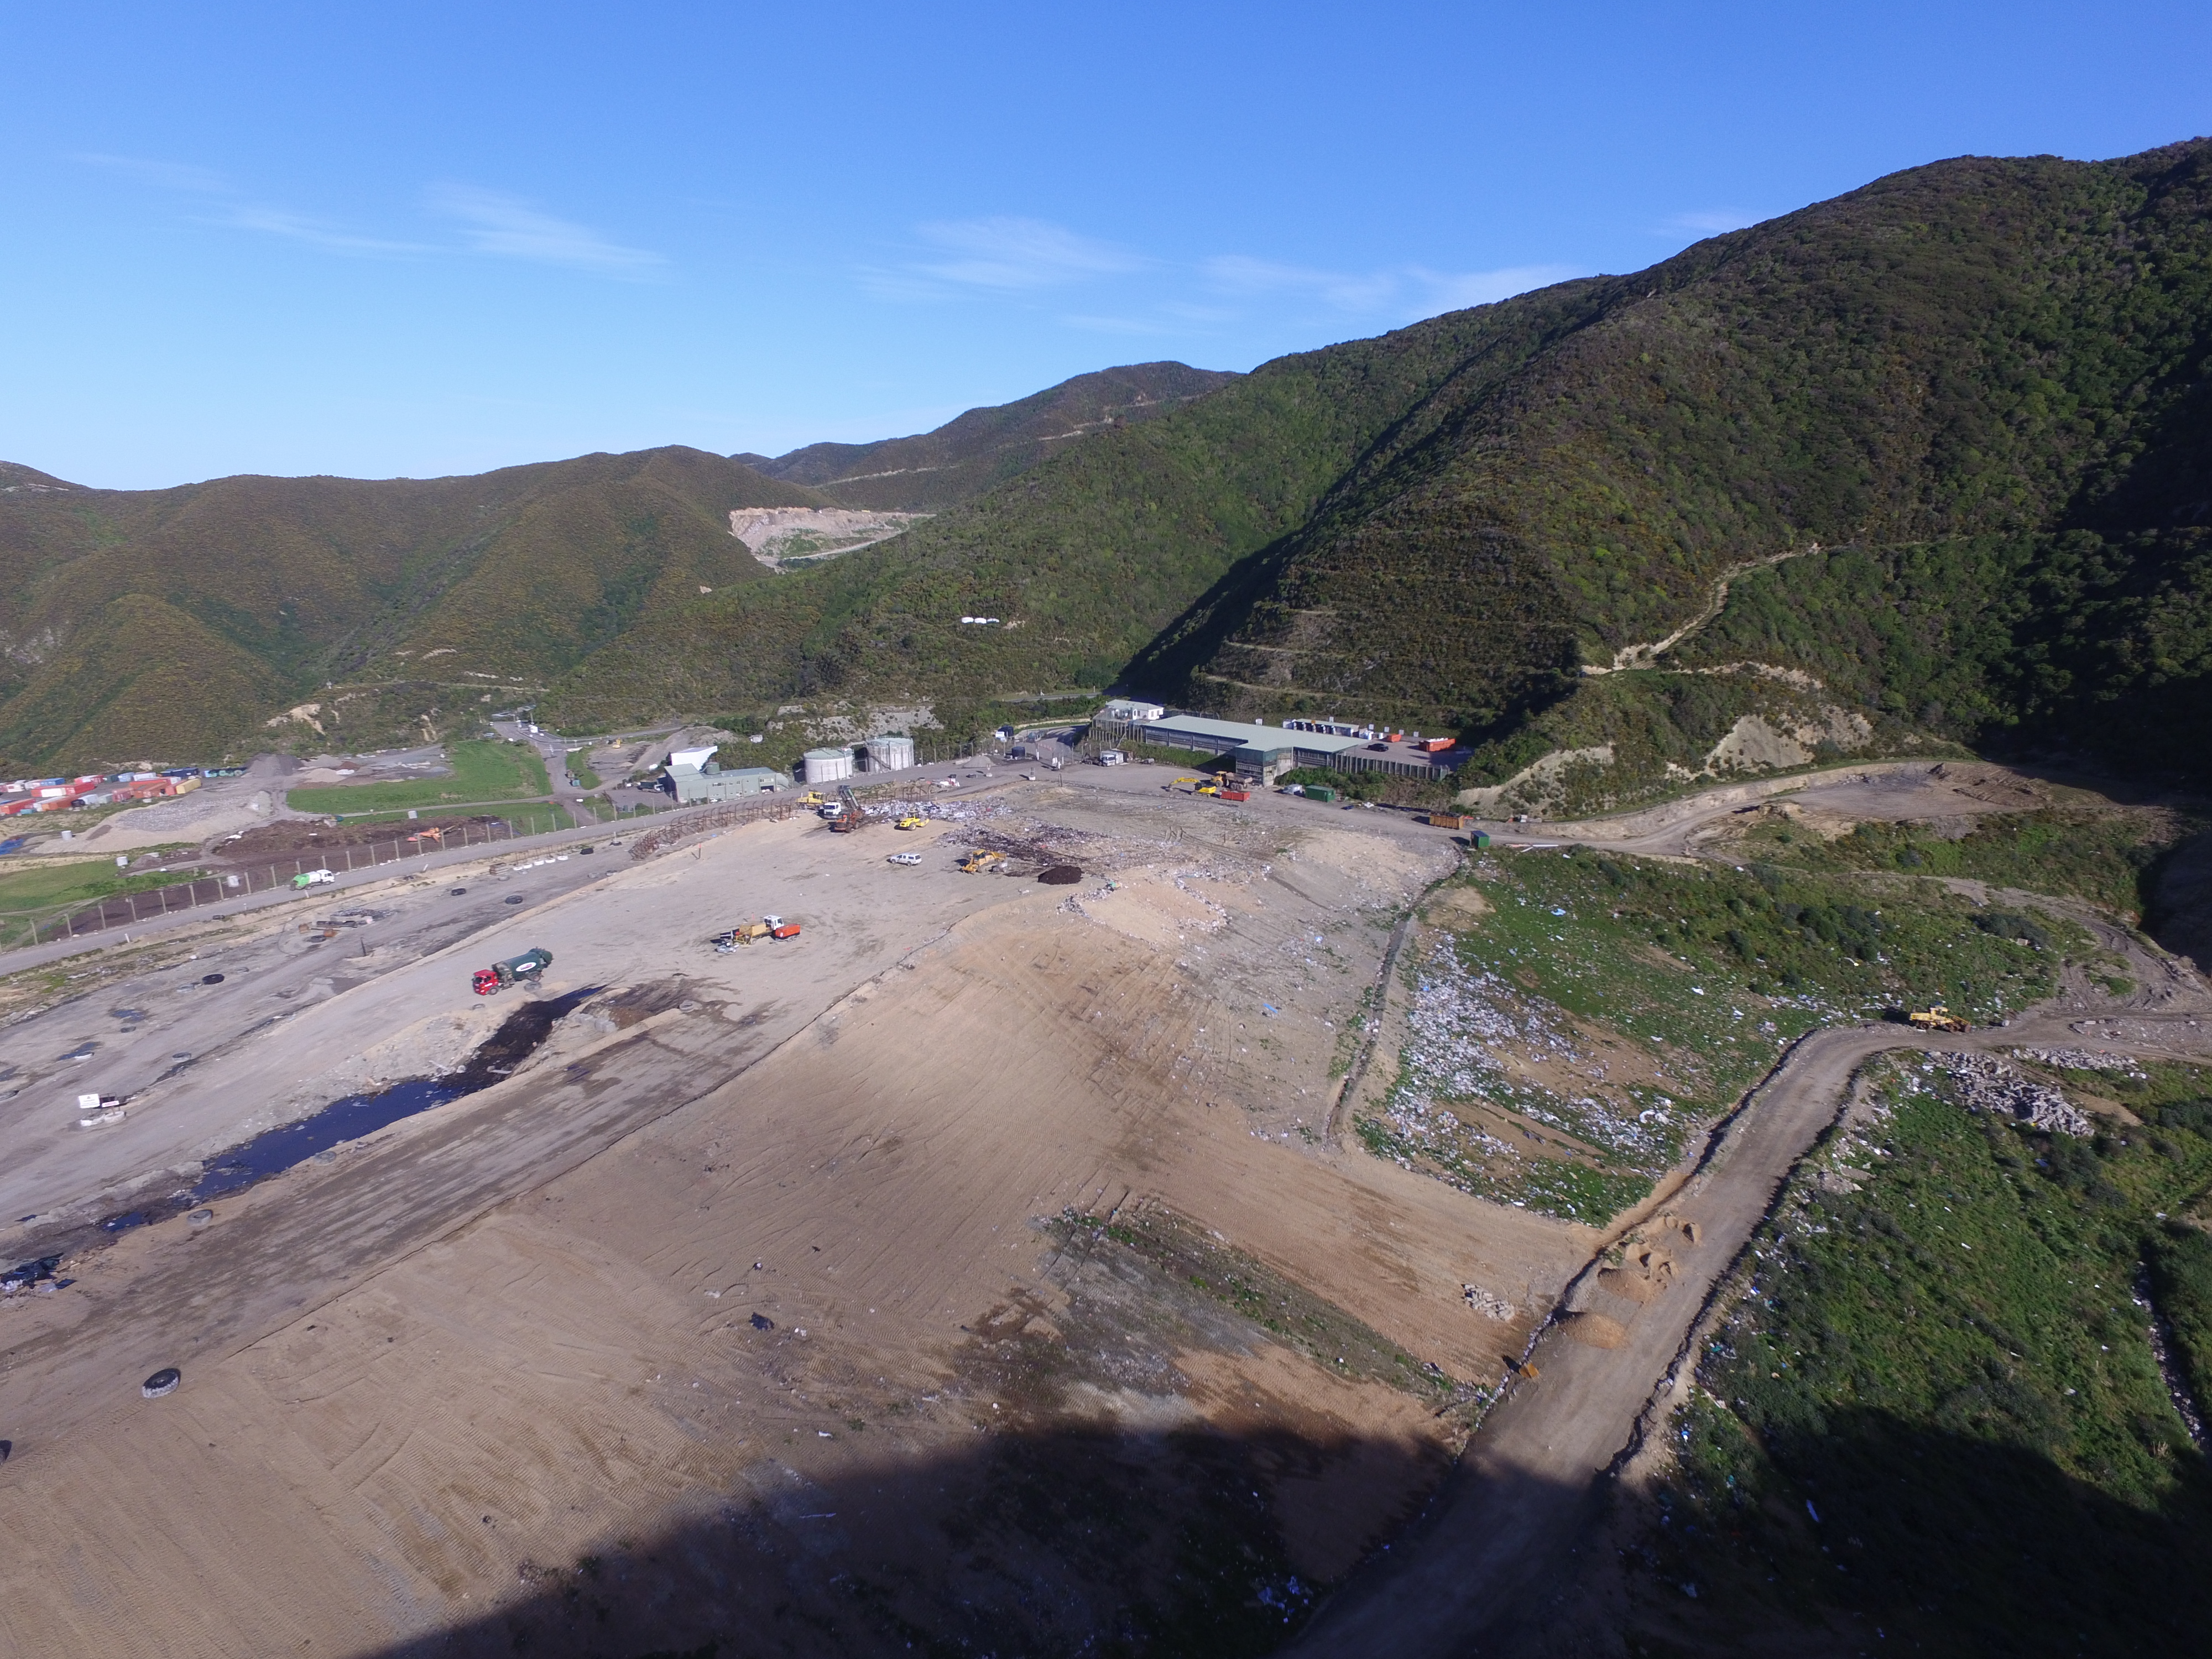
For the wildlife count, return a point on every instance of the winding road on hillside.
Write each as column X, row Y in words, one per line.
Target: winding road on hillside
column 1470, row 1579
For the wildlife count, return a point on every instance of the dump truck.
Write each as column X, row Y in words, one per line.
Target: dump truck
column 744, row 934
column 1449, row 820
column 1936, row 1018
column 515, row 970
column 977, row 862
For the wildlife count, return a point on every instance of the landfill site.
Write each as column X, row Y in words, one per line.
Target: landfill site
column 972, row 1261
column 925, row 1216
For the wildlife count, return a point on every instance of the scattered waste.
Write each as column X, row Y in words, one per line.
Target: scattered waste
column 163, row 1382
column 763, row 1322
column 1060, row 875
column 211, row 979
column 25, row 1274
column 200, row 1217
column 1986, row 1084
column 456, row 891
column 511, row 898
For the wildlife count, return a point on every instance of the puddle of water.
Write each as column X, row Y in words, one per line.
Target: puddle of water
column 278, row 1149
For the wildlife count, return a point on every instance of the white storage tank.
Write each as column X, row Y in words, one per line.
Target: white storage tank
column 888, row 755
column 827, row 765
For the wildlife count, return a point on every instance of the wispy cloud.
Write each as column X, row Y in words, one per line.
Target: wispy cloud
column 217, row 201
column 490, row 222
column 1107, row 288
column 509, row 227
column 1408, row 291
column 315, row 233
column 1712, row 221
column 1013, row 255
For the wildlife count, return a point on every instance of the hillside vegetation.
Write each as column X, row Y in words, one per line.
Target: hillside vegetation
column 173, row 623
column 968, row 455
column 1926, row 467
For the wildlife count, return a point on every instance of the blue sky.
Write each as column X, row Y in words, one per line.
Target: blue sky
column 421, row 240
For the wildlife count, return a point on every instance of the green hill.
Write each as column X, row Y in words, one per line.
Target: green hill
column 985, row 447
column 1944, row 439
column 1927, row 464
column 173, row 623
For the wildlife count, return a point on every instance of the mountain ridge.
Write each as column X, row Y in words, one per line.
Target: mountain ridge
column 986, row 446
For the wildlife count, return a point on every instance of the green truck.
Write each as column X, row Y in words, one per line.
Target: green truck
column 515, row 970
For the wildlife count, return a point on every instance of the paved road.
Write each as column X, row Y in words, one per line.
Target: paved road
column 1531, row 1479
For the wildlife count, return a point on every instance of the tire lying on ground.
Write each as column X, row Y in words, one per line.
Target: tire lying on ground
column 163, row 1382
column 1060, row 875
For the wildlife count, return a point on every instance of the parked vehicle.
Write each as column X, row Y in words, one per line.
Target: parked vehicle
column 903, row 858
column 308, row 878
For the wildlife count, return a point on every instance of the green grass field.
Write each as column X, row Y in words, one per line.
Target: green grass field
column 31, row 897
column 1935, row 1408
column 485, row 770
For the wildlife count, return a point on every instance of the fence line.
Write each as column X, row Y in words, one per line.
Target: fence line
column 130, row 909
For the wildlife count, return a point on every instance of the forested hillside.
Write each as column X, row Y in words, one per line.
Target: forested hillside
column 1947, row 434
column 1927, row 464
column 173, row 623
column 968, row 455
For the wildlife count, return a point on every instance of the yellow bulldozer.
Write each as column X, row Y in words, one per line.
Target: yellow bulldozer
column 914, row 821
column 977, row 863
column 1935, row 1019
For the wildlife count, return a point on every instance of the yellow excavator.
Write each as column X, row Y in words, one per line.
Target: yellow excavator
column 1936, row 1018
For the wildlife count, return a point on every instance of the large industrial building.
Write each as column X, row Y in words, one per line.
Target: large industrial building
column 1264, row 751
column 696, row 779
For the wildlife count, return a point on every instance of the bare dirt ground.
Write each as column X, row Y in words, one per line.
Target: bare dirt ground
column 975, row 1271
column 788, row 1296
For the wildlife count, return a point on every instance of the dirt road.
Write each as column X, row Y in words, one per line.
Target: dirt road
column 1532, row 1477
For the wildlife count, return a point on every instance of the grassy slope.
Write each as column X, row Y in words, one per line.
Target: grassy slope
column 1976, row 348
column 985, row 448
column 170, row 622
column 1982, row 375
column 1936, row 1356
column 1682, row 986
column 485, row 770
column 1091, row 554
column 2110, row 857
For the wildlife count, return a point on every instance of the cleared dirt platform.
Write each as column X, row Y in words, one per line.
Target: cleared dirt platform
column 823, row 1308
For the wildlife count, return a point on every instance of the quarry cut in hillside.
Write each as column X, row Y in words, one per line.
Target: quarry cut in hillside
column 778, row 536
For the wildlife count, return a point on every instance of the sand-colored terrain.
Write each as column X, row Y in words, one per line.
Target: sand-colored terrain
column 787, row 1297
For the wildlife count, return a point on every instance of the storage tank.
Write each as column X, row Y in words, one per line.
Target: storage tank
column 827, row 765
column 889, row 754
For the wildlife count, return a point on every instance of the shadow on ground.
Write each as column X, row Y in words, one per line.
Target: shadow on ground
column 1098, row 1543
